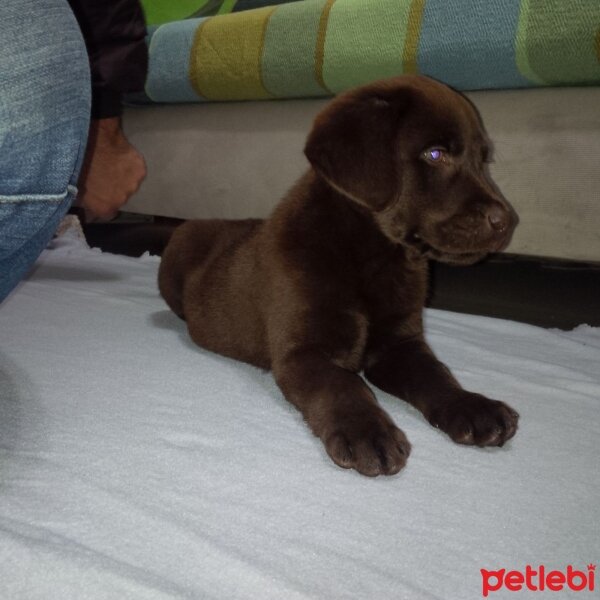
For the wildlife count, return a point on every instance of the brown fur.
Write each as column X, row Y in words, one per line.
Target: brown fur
column 334, row 282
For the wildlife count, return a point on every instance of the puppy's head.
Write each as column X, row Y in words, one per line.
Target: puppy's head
column 414, row 153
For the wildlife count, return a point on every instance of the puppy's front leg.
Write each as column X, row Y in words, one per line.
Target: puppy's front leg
column 340, row 409
column 407, row 368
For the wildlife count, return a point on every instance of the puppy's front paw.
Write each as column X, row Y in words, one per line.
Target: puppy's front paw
column 369, row 442
column 475, row 420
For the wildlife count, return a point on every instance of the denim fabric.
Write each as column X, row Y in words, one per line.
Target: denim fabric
column 44, row 119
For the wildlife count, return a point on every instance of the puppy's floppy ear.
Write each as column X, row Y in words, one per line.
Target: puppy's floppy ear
column 352, row 146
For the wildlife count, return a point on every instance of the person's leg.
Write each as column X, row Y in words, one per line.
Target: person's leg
column 44, row 120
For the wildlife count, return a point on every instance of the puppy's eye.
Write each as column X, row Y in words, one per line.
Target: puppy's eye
column 434, row 155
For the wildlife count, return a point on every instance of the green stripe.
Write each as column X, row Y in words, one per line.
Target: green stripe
column 556, row 41
column 158, row 12
column 364, row 45
column 227, row 7
column 296, row 26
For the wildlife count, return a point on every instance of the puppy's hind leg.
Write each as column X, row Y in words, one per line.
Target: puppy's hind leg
column 191, row 246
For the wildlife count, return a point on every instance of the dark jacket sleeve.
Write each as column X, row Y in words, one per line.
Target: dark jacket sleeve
column 114, row 32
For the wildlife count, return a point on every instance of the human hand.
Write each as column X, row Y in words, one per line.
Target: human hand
column 112, row 170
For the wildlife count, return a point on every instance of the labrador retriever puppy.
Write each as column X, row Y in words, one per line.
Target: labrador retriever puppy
column 334, row 282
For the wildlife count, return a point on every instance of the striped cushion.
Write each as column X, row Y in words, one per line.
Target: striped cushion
column 314, row 48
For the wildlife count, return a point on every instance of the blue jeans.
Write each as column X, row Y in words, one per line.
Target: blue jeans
column 44, row 120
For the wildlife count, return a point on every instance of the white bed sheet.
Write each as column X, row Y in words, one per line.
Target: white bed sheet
column 136, row 465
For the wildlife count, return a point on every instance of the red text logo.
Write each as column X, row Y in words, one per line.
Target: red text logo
column 538, row 580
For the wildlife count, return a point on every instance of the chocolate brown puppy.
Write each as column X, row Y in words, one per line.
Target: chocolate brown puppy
column 333, row 283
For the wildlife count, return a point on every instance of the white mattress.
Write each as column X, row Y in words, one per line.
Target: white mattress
column 135, row 465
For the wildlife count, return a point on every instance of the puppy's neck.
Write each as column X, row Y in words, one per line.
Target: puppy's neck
column 352, row 220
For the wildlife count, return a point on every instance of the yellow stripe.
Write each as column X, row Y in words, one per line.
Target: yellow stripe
column 320, row 48
column 226, row 56
column 521, row 54
column 194, row 51
column 413, row 34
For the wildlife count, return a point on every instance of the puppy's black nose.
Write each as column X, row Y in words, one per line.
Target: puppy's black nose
column 498, row 217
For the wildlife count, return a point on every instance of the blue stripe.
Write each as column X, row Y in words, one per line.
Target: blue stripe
column 169, row 58
column 470, row 44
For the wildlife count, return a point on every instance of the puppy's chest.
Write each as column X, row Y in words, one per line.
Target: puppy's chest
column 392, row 285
